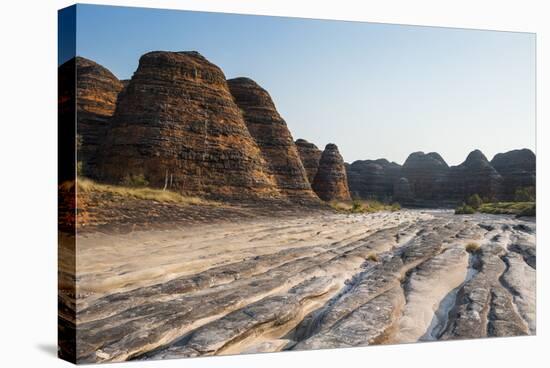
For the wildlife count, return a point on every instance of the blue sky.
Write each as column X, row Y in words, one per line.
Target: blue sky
column 376, row 90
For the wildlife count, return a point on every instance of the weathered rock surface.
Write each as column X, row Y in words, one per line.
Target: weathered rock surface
column 97, row 91
column 331, row 182
column 426, row 287
column 310, row 156
column 373, row 178
column 271, row 134
column 176, row 124
column 322, row 281
column 518, row 170
column 474, row 176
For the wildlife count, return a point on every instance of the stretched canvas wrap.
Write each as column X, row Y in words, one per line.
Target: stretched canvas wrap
column 234, row 184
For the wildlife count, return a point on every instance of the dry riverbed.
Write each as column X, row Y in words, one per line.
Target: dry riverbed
column 315, row 281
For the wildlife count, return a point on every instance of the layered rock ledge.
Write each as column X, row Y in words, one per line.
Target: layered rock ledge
column 271, row 134
column 331, row 181
column 177, row 126
column 97, row 91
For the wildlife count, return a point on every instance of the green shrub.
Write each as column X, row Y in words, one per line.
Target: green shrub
column 525, row 194
column 474, row 201
column 464, row 210
column 135, row 181
column 529, row 211
column 507, row 208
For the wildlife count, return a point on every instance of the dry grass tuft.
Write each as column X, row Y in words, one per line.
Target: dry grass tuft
column 373, row 257
column 164, row 196
column 472, row 247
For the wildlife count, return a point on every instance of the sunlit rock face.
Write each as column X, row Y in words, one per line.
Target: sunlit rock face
column 331, row 181
column 273, row 137
column 310, row 156
column 177, row 125
column 97, row 90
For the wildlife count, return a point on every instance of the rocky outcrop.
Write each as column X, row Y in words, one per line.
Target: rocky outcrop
column 177, row 127
column 331, row 181
column 518, row 170
column 426, row 180
column 310, row 155
column 427, row 175
column 96, row 96
column 373, row 179
column 474, row 176
column 402, row 192
column 271, row 134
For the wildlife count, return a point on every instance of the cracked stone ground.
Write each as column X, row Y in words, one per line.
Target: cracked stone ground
column 308, row 282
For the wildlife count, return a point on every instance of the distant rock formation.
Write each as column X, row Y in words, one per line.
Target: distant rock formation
column 271, row 134
column 425, row 180
column 402, row 192
column 474, row 176
column 96, row 97
column 373, row 178
column 518, row 170
column 330, row 182
column 177, row 126
column 310, row 155
column 427, row 175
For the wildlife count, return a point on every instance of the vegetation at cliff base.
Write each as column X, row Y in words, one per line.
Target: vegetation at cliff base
column 523, row 206
column 85, row 185
column 464, row 209
column 474, row 201
column 509, row 208
column 364, row 206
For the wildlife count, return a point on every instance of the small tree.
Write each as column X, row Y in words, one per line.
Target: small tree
column 464, row 210
column 474, row 201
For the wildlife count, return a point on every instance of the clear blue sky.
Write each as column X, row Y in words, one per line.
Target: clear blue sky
column 376, row 90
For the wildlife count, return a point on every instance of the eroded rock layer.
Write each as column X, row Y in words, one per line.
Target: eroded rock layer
column 177, row 126
column 97, row 91
column 310, row 156
column 309, row 282
column 331, row 181
column 271, row 134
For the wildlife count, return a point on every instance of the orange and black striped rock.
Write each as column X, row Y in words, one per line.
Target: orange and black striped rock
column 310, row 155
column 97, row 91
column 331, row 181
column 272, row 135
column 178, row 127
